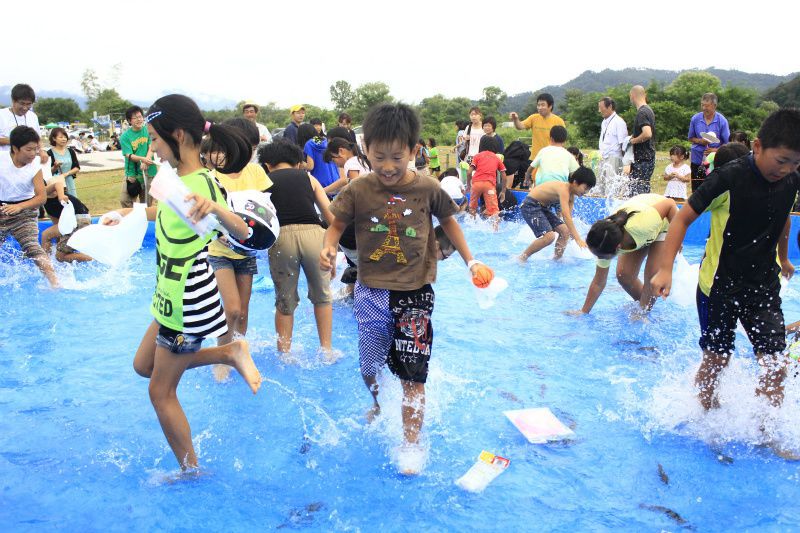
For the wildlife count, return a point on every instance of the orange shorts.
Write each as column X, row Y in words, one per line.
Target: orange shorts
column 487, row 190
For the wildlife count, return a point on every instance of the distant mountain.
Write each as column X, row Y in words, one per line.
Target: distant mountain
column 589, row 81
column 205, row 101
column 786, row 94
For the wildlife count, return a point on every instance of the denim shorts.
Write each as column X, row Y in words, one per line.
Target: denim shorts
column 246, row 265
column 177, row 342
column 541, row 219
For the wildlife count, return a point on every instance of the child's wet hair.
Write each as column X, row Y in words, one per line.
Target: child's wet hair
column 679, row 151
column 391, row 123
column 452, row 171
column 280, row 151
column 558, row 134
column 740, row 136
column 305, row 132
column 583, row 175
column 337, row 143
column 247, row 127
column 605, row 235
column 178, row 112
column 488, row 144
column 781, row 129
column 22, row 135
column 729, row 152
column 575, row 151
column 338, row 131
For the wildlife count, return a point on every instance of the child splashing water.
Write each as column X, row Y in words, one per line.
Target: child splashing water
column 739, row 276
column 392, row 209
column 636, row 232
column 186, row 305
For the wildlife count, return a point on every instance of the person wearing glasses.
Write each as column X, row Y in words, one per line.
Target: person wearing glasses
column 20, row 113
column 137, row 152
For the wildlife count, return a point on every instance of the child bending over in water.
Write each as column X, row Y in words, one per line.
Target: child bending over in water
column 636, row 232
column 392, row 209
column 538, row 211
column 186, row 304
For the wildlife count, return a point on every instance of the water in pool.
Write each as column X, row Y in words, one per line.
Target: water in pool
column 81, row 449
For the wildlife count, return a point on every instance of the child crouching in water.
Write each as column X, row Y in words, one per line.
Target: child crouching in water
column 392, row 210
column 538, row 212
column 186, row 304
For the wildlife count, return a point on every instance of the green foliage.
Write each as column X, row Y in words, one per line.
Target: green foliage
column 492, row 100
column 107, row 102
column 785, row 94
column 90, row 84
column 57, row 110
column 342, row 95
column 687, row 89
column 672, row 122
column 368, row 95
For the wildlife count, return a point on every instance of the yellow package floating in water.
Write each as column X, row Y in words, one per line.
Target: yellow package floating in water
column 486, row 468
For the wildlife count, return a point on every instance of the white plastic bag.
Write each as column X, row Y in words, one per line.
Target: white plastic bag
column 486, row 468
column 112, row 245
column 67, row 222
column 486, row 297
column 684, row 282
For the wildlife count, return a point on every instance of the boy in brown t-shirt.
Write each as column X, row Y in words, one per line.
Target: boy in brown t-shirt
column 391, row 209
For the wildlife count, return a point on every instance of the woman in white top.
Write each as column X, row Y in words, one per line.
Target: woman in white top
column 22, row 191
column 475, row 132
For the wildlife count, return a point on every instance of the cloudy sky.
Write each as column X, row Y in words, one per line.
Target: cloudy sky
column 291, row 52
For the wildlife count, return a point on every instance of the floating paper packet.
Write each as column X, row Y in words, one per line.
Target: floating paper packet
column 539, row 425
column 486, row 468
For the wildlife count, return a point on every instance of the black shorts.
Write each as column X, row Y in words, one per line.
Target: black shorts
column 394, row 327
column 759, row 311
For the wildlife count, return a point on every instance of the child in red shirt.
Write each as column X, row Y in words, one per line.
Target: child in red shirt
column 482, row 177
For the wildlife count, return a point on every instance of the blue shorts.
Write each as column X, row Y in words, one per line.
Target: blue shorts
column 177, row 342
column 759, row 311
column 394, row 327
column 244, row 266
column 541, row 219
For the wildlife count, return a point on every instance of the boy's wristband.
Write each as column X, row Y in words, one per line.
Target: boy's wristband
column 473, row 262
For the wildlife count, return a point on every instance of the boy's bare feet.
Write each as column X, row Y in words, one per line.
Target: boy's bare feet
column 243, row 363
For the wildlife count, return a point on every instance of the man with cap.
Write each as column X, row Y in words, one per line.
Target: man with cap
column 298, row 114
column 250, row 112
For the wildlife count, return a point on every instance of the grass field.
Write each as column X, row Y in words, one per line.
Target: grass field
column 100, row 190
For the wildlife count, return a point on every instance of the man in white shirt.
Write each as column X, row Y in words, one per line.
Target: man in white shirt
column 19, row 114
column 250, row 112
column 613, row 132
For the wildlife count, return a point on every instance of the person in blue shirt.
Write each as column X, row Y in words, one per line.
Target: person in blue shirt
column 314, row 146
column 708, row 120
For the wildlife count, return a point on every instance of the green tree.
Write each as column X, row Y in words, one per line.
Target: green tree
column 493, row 98
column 580, row 111
column 368, row 95
column 342, row 95
column 57, row 110
column 672, row 123
column 438, row 115
column 90, row 84
column 687, row 89
column 107, row 102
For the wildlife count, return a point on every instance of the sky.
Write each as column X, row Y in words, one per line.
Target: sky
column 289, row 53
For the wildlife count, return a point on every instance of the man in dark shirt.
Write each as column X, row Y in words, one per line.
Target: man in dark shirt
column 644, row 152
column 297, row 114
column 739, row 277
